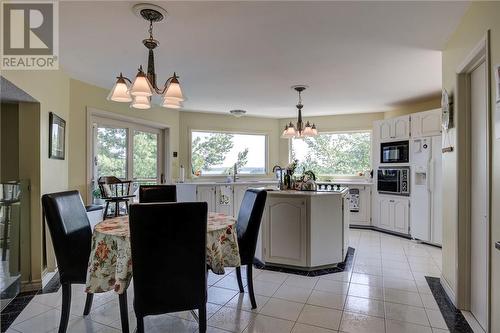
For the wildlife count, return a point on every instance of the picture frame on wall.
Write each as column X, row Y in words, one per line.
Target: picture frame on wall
column 57, row 135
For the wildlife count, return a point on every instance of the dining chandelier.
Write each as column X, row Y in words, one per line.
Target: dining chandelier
column 299, row 130
column 140, row 93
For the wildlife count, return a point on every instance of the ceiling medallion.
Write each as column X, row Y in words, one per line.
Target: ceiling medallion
column 141, row 90
column 299, row 131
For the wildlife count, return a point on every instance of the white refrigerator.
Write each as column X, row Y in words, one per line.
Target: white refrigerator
column 426, row 186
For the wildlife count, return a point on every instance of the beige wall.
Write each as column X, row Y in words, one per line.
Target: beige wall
column 206, row 121
column 480, row 17
column 51, row 89
column 9, row 141
column 425, row 105
column 83, row 96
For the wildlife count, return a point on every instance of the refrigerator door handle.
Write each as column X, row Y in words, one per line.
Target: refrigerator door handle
column 430, row 175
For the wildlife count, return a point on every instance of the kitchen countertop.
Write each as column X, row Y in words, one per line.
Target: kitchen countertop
column 242, row 182
column 349, row 182
column 306, row 193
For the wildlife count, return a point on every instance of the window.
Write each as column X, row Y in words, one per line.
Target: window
column 331, row 154
column 215, row 153
column 126, row 150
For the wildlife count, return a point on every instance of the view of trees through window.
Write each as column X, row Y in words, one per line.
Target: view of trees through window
column 333, row 153
column 215, row 153
column 112, row 154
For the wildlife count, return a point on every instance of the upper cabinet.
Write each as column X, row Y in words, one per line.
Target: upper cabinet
column 393, row 129
column 426, row 123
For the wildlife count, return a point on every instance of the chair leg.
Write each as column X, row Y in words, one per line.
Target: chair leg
column 117, row 208
column 140, row 325
column 238, row 277
column 88, row 304
column 122, row 298
column 250, row 286
column 126, row 206
column 66, row 307
column 202, row 318
column 106, row 211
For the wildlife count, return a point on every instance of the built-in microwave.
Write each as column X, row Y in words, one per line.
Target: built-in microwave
column 395, row 152
column 394, row 181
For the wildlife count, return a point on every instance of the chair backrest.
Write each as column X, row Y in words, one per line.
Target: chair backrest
column 111, row 186
column 168, row 242
column 157, row 193
column 249, row 219
column 70, row 232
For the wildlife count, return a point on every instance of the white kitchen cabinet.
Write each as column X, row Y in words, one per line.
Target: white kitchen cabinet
column 238, row 194
column 206, row 193
column 224, row 199
column 427, row 123
column 363, row 215
column 286, row 228
column 393, row 129
column 393, row 213
column 346, row 223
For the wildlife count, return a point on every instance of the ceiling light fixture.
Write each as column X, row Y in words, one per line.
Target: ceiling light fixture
column 144, row 86
column 238, row 113
column 299, row 131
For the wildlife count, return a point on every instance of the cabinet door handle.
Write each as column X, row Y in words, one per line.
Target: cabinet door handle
column 497, row 245
column 391, row 200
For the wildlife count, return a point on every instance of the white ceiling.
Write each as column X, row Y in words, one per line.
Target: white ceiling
column 356, row 56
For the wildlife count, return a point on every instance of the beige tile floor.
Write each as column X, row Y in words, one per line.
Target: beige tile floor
column 386, row 291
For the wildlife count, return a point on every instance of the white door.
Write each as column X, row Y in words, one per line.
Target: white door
column 401, row 213
column 401, row 128
column 385, row 212
column 479, row 196
column 385, row 130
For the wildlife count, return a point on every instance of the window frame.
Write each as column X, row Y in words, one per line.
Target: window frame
column 243, row 132
column 332, row 176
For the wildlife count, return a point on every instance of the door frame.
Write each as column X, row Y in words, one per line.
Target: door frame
column 479, row 54
column 165, row 142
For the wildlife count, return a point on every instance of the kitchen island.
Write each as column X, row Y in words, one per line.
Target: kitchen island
column 305, row 230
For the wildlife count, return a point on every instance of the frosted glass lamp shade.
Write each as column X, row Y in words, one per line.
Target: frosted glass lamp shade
column 314, row 130
column 141, row 85
column 171, row 104
column 141, row 102
column 120, row 92
column 307, row 130
column 174, row 92
column 291, row 132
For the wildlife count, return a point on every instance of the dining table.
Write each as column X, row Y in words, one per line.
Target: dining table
column 110, row 261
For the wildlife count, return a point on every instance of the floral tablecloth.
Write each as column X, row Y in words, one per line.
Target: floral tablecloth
column 110, row 262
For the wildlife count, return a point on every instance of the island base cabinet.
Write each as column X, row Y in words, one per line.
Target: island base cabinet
column 305, row 231
column 285, row 236
column 326, row 229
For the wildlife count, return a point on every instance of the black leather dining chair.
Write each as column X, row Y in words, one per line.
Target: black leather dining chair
column 168, row 242
column 71, row 235
column 157, row 193
column 247, row 229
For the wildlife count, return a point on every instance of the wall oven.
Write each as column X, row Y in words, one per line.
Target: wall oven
column 394, row 181
column 395, row 152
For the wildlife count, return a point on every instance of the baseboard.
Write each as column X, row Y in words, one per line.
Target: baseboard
column 449, row 291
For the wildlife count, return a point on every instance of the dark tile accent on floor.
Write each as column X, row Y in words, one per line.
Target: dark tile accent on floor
column 345, row 265
column 454, row 319
column 369, row 227
column 17, row 305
